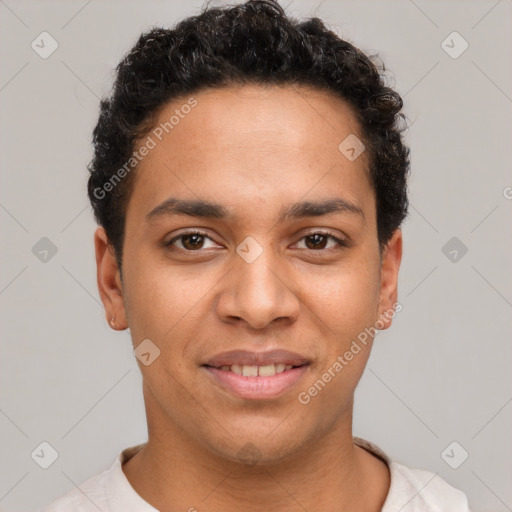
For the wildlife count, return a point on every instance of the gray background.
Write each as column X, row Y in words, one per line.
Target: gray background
column 441, row 374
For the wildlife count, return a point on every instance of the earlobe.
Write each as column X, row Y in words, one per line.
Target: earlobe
column 109, row 281
column 390, row 265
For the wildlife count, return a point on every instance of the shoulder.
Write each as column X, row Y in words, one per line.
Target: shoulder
column 107, row 491
column 418, row 490
column 89, row 496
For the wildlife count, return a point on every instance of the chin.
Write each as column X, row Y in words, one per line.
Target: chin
column 258, row 446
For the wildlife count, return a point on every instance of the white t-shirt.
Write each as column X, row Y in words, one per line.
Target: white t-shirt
column 411, row 490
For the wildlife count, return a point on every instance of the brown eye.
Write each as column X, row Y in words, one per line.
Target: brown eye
column 191, row 242
column 319, row 241
column 316, row 241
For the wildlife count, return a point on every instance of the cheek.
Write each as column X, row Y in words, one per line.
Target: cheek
column 345, row 300
column 164, row 307
column 158, row 298
column 344, row 308
column 168, row 305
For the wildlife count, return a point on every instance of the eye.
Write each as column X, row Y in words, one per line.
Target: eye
column 196, row 241
column 192, row 241
column 321, row 241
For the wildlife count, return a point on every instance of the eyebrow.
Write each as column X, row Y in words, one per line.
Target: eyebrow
column 207, row 209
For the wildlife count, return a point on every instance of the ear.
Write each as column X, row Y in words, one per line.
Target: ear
column 109, row 281
column 390, row 264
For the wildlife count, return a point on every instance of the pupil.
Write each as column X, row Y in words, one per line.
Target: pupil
column 193, row 241
column 317, row 241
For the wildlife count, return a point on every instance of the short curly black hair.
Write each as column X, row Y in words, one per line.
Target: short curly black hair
column 250, row 43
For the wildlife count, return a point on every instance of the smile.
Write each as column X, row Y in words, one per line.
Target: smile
column 257, row 371
column 256, row 376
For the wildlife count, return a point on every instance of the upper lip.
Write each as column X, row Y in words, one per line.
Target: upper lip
column 245, row 357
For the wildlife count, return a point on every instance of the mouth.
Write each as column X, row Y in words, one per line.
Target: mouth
column 249, row 370
column 257, row 376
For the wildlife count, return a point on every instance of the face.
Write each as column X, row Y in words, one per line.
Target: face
column 251, row 262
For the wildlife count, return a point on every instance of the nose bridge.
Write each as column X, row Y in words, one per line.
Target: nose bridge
column 256, row 292
column 259, row 278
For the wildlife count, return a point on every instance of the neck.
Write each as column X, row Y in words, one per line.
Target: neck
column 172, row 472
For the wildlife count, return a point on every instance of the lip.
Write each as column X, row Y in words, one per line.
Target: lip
column 256, row 388
column 245, row 357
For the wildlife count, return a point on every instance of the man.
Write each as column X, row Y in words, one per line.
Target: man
column 249, row 180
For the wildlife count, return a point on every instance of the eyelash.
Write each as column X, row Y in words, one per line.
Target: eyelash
column 340, row 243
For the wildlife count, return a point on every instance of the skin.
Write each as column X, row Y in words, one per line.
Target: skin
column 254, row 150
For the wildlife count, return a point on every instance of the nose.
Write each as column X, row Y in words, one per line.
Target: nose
column 257, row 294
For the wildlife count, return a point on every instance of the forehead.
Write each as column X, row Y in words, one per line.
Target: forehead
column 254, row 117
column 258, row 144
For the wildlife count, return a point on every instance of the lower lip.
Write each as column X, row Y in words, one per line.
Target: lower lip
column 257, row 388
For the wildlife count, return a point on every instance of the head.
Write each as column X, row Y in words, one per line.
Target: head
column 249, row 181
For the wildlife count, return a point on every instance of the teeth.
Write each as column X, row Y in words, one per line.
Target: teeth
column 267, row 371
column 280, row 368
column 236, row 368
column 249, row 371
column 254, row 371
